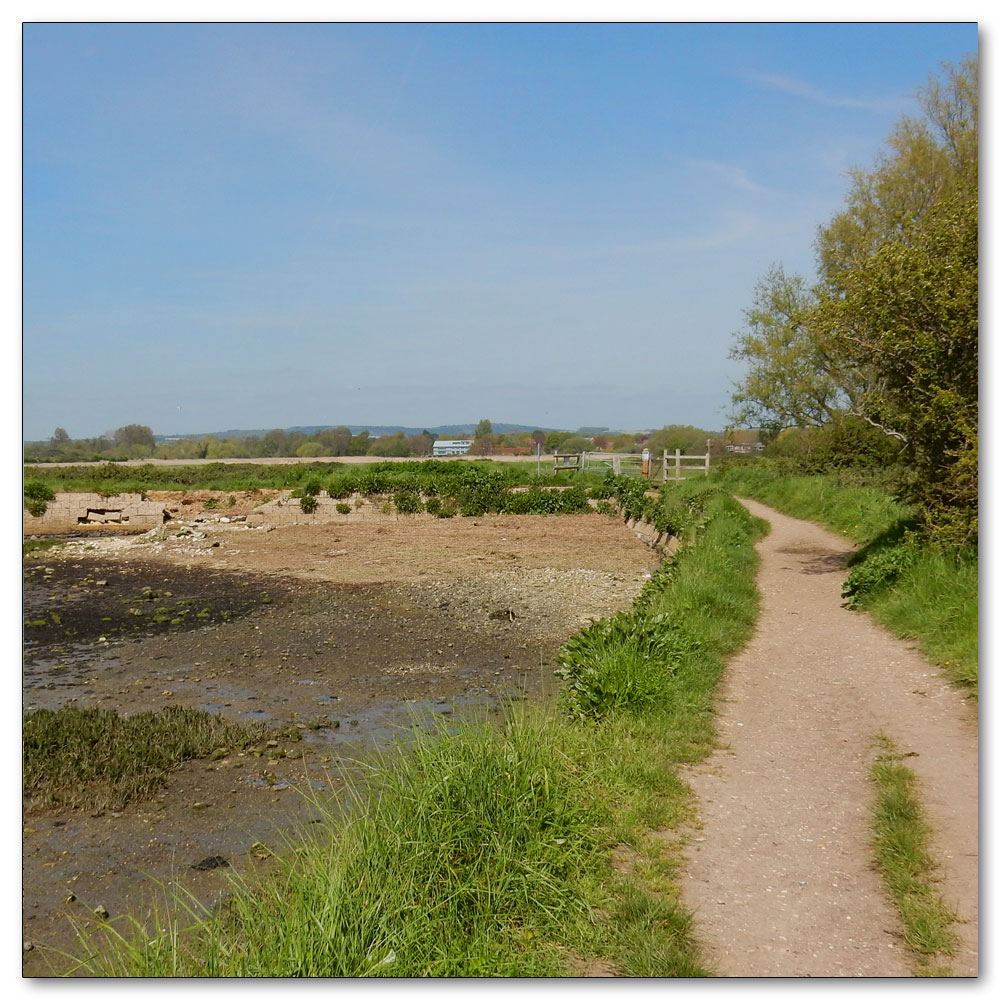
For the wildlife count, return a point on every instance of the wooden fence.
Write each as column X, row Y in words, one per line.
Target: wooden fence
column 569, row 463
column 676, row 466
column 672, row 469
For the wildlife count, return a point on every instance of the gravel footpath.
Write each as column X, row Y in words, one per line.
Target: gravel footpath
column 780, row 877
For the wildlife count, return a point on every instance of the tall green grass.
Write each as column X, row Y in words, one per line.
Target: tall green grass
column 861, row 513
column 918, row 589
column 902, row 854
column 936, row 602
column 497, row 850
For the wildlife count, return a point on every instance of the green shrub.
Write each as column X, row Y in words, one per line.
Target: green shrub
column 343, row 508
column 372, row 483
column 34, row 490
column 36, row 497
column 408, row 503
column 340, row 489
column 877, row 567
column 621, row 662
column 308, row 503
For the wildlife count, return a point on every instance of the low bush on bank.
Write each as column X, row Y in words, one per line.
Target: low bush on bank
column 487, row 850
column 919, row 588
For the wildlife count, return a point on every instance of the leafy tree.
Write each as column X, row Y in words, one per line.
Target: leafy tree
column 422, row 443
column 538, row 437
column 275, row 443
column 890, row 333
column 359, row 444
column 908, row 316
column 927, row 160
column 690, row 440
column 624, row 443
column 483, row 428
column 792, row 379
column 844, row 441
column 310, row 449
column 59, row 438
column 484, row 444
column 554, row 440
column 575, row 443
column 134, row 434
column 336, row 441
column 231, row 447
column 391, row 446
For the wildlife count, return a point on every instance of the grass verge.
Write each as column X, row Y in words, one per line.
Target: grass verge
column 918, row 590
column 96, row 758
column 540, row 847
column 902, row 855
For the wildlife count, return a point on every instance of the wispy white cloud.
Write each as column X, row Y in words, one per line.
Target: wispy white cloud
column 809, row 92
column 734, row 177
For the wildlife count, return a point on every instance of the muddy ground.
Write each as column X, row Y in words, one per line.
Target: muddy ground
column 366, row 629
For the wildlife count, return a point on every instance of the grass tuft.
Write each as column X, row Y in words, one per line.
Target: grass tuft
column 96, row 758
column 902, row 854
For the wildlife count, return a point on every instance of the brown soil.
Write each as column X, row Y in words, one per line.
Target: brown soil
column 369, row 627
column 780, row 875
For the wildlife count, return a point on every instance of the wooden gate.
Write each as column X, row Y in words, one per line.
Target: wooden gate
column 677, row 466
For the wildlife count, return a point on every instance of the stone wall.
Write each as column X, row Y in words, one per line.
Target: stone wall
column 661, row 541
column 75, row 512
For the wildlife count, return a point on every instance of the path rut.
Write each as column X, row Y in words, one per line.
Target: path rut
column 780, row 878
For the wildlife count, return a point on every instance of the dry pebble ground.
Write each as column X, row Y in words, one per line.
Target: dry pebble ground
column 780, row 876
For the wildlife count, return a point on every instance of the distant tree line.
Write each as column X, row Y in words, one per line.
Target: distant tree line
column 137, row 441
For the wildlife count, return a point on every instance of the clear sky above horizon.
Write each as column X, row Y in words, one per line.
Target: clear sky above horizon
column 267, row 225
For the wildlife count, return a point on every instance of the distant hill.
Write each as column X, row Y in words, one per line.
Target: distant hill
column 375, row 430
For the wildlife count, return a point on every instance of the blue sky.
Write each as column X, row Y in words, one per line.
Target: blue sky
column 268, row 225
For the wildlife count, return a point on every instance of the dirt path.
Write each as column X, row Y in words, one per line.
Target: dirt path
column 780, row 877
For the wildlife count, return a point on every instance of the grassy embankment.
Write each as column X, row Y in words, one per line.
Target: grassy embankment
column 916, row 589
column 536, row 847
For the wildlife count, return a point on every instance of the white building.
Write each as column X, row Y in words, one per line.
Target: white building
column 446, row 447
